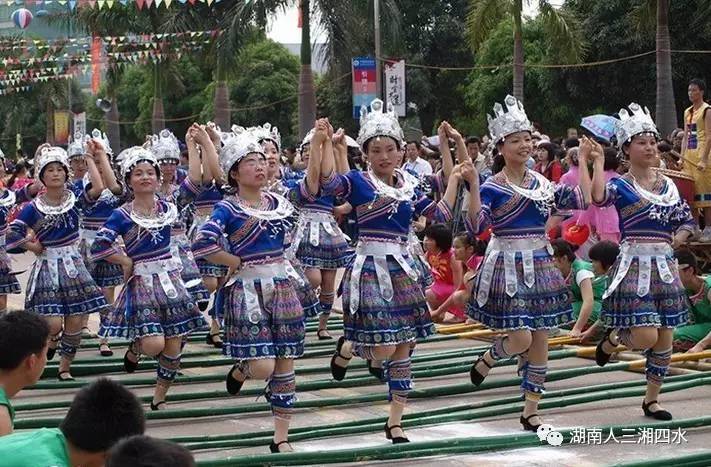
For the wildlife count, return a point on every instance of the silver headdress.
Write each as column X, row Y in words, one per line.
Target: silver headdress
column 51, row 154
column 307, row 139
column 630, row 125
column 505, row 123
column 77, row 147
column 2, row 155
column 266, row 132
column 129, row 158
column 378, row 123
column 100, row 137
column 236, row 146
column 165, row 147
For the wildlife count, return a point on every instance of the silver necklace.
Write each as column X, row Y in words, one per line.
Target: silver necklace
column 65, row 205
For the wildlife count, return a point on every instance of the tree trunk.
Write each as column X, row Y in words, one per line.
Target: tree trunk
column 113, row 128
column 158, row 117
column 307, row 93
column 666, row 111
column 222, row 105
column 50, row 121
column 518, row 70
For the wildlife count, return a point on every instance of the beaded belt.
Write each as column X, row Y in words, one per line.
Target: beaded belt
column 51, row 256
column 312, row 220
column 161, row 268
column 509, row 247
column 265, row 274
column 644, row 252
column 379, row 251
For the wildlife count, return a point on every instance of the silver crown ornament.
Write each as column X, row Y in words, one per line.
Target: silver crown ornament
column 51, row 154
column 129, row 158
column 164, row 147
column 633, row 122
column 378, row 122
column 77, row 148
column 509, row 121
column 237, row 145
column 266, row 132
column 100, row 137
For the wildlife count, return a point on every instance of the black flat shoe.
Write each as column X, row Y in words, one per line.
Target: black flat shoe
column 323, row 335
column 129, row 365
column 525, row 421
column 274, row 447
column 476, row 377
column 379, row 373
column 210, row 340
column 105, row 350
column 50, row 353
column 657, row 415
column 339, row 372
column 396, row 439
column 155, row 407
column 233, row 385
column 602, row 357
column 60, row 376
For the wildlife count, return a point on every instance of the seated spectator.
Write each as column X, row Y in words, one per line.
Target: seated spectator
column 695, row 336
column 144, row 451
column 100, row 415
column 23, row 356
column 446, row 270
column 602, row 256
column 547, row 161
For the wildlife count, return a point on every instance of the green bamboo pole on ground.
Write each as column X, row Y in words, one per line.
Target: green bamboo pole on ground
column 465, row 445
column 699, row 459
column 467, row 412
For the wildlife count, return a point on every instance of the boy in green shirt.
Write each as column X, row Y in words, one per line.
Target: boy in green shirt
column 100, row 415
column 23, row 356
column 695, row 336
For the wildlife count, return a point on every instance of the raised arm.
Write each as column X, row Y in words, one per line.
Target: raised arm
column 470, row 175
column 340, row 151
column 320, row 145
column 194, row 163
column 447, row 163
column 97, row 184
column 101, row 159
column 210, row 161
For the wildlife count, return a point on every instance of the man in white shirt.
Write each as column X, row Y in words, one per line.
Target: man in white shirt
column 414, row 162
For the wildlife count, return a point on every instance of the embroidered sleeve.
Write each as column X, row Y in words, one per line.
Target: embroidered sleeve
column 611, row 195
column 487, row 195
column 569, row 197
column 338, row 185
column 208, row 238
column 17, row 231
column 299, row 195
column 682, row 219
column 439, row 212
column 187, row 192
column 105, row 243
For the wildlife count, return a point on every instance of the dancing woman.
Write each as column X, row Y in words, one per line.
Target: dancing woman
column 60, row 286
column 154, row 310
column 318, row 242
column 385, row 311
column 519, row 289
column 645, row 299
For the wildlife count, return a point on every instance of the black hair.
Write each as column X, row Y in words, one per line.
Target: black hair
column 606, row 252
column 664, row 146
column 397, row 143
column 473, row 140
column 22, row 333
column 64, row 168
column 612, row 159
column 552, row 149
column 144, row 451
column 101, row 414
column 441, row 234
column 699, row 83
column 686, row 256
column 19, row 167
column 156, row 167
column 417, row 144
column 571, row 143
column 232, row 182
column 473, row 242
column 561, row 249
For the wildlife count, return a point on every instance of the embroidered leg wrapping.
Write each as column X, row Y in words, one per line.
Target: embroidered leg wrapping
column 167, row 368
column 282, row 394
column 69, row 345
column 498, row 350
column 326, row 302
column 657, row 365
column 364, row 351
column 399, row 379
column 533, row 378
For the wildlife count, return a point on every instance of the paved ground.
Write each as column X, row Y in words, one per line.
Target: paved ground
column 687, row 403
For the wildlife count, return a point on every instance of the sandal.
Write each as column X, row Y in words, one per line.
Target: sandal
column 105, row 350
column 214, row 340
column 66, row 372
column 274, row 447
column 657, row 414
column 602, row 357
column 526, row 422
column 323, row 335
column 156, row 406
column 395, row 439
column 476, row 377
column 233, row 385
column 339, row 372
column 129, row 365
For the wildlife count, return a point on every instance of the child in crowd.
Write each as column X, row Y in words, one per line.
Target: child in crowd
column 144, row 451
column 695, row 336
column 602, row 256
column 23, row 356
column 446, row 270
column 469, row 251
column 100, row 415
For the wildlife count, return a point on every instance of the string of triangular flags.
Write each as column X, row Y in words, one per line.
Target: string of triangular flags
column 41, row 44
column 140, row 4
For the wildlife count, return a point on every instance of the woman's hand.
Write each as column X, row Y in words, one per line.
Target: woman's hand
column 34, row 246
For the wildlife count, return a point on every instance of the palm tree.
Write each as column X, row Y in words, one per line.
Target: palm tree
column 307, row 91
column 562, row 27
column 647, row 15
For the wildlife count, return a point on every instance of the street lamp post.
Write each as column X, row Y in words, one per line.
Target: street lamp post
column 378, row 64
